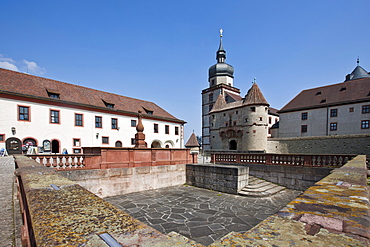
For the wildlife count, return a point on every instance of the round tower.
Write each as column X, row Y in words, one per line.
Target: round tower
column 256, row 117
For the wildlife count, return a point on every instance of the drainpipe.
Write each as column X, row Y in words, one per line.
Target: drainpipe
column 327, row 120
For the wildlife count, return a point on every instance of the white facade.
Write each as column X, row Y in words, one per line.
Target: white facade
column 39, row 127
column 348, row 120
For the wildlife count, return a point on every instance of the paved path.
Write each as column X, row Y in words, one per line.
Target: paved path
column 9, row 233
column 199, row 214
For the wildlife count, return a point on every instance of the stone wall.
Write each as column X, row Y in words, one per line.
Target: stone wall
column 292, row 177
column 344, row 144
column 228, row 179
column 119, row 181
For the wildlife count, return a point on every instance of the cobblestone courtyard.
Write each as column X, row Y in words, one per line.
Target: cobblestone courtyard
column 199, row 214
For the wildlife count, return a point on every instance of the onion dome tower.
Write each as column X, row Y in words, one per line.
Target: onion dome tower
column 221, row 72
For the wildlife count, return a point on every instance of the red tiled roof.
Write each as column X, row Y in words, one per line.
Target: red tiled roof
column 21, row 84
column 193, row 141
column 254, row 96
column 342, row 93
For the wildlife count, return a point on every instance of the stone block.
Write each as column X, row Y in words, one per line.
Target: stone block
column 143, row 170
column 171, row 167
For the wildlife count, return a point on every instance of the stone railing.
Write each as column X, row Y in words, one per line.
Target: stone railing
column 332, row 160
column 106, row 158
column 60, row 161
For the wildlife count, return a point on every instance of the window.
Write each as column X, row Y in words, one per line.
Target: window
column 176, row 130
column 234, row 123
column 118, row 144
column 2, row 137
column 261, row 119
column 78, row 119
column 107, row 104
column 105, row 140
column 213, row 82
column 365, row 109
column 149, row 112
column 253, row 108
column 318, row 93
column 53, row 95
column 98, row 122
column 270, row 120
column 76, row 142
column 210, row 107
column 133, row 123
column 77, row 150
column 333, row 112
column 227, row 98
column 351, row 109
column 210, row 97
column 365, row 124
column 323, row 101
column 343, row 89
column 155, row 128
column 333, row 126
column 54, row 116
column 166, row 129
column 304, row 115
column 114, row 123
column 246, row 120
column 133, row 141
column 303, row 128
column 23, row 113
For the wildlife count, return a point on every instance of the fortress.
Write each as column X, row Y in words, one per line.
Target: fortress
column 332, row 119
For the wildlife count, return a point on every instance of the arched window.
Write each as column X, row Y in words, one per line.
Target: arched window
column 118, row 144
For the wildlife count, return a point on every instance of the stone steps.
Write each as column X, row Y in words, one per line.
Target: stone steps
column 260, row 188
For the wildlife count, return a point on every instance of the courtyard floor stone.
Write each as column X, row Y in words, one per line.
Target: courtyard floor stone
column 200, row 214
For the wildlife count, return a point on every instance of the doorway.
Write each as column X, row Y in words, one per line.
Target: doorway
column 233, row 145
column 55, row 148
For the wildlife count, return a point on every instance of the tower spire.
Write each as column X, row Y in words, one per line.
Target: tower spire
column 221, row 53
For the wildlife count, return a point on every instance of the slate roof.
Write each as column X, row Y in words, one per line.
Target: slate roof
column 34, row 87
column 193, row 141
column 352, row 91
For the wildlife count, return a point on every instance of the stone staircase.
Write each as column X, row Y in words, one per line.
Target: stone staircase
column 260, row 188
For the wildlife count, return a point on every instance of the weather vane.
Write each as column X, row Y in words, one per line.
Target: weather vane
column 254, row 80
column 221, row 31
column 358, row 60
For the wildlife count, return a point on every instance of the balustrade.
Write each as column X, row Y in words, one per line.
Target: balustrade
column 62, row 161
column 333, row 160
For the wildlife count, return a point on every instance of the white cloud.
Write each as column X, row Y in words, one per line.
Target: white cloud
column 33, row 68
column 7, row 65
column 5, row 59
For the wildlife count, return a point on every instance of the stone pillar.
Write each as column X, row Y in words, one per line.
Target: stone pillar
column 140, row 136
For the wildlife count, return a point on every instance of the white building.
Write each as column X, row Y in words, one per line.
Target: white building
column 55, row 115
column 337, row 109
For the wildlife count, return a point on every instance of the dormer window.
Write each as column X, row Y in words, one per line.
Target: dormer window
column 343, row 89
column 323, row 101
column 53, row 94
column 318, row 93
column 107, row 104
column 149, row 112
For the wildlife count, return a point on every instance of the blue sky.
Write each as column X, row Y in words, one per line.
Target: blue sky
column 160, row 51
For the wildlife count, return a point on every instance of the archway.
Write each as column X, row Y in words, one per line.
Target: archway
column 233, row 145
column 13, row 145
column 55, row 146
column 118, row 144
column 156, row 144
